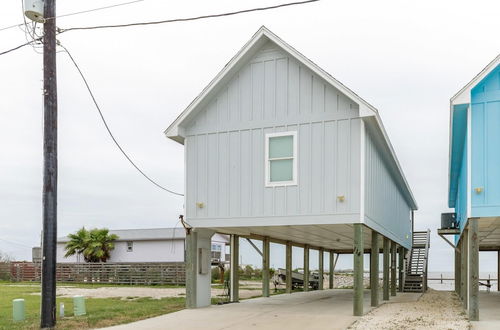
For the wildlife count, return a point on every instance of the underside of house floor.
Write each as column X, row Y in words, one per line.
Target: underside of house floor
column 323, row 309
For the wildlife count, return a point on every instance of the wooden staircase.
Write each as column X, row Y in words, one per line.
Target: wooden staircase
column 415, row 279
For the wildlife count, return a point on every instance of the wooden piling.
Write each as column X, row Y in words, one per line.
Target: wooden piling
column 265, row 266
column 234, row 271
column 331, row 270
column 321, row 256
column 306, row 268
column 358, row 269
column 288, row 288
column 401, row 253
column 374, row 269
column 464, row 268
column 393, row 268
column 498, row 270
column 385, row 286
column 473, row 263
column 457, row 272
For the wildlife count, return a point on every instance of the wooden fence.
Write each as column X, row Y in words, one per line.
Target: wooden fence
column 117, row 273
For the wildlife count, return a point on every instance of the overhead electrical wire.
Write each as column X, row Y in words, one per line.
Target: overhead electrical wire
column 62, row 30
column 14, row 243
column 20, row 46
column 79, row 12
column 243, row 11
column 109, row 130
column 59, row 31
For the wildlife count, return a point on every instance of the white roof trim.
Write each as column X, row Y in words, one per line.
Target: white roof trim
column 463, row 96
column 175, row 131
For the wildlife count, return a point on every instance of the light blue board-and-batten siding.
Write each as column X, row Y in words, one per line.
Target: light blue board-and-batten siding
column 225, row 151
column 225, row 146
column 385, row 205
column 485, row 103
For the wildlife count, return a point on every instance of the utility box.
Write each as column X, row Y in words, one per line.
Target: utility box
column 36, row 254
column 203, row 261
column 449, row 221
column 33, row 9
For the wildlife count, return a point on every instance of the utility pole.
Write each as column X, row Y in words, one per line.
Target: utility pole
column 49, row 199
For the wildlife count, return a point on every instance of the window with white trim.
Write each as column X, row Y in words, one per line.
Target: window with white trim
column 281, row 159
column 130, row 246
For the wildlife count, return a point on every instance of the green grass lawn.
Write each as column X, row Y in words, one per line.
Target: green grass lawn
column 100, row 312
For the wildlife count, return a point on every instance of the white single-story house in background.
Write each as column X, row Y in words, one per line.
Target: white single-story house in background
column 148, row 245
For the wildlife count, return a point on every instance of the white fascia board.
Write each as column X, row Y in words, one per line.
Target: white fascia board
column 259, row 38
column 463, row 95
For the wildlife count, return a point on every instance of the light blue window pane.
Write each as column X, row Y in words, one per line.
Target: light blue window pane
column 281, row 170
column 281, row 146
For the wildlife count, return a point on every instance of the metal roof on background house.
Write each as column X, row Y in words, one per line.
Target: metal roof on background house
column 366, row 110
column 150, row 234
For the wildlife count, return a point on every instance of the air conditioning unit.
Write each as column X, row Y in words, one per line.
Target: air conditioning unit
column 449, row 221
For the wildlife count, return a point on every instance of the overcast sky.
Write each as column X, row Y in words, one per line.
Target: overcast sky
column 407, row 58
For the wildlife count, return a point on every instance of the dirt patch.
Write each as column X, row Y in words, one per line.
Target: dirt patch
column 137, row 292
column 434, row 310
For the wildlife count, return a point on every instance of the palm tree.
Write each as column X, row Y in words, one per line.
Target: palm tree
column 95, row 244
column 101, row 243
column 77, row 243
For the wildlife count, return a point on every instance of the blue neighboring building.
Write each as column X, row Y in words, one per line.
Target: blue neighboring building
column 474, row 176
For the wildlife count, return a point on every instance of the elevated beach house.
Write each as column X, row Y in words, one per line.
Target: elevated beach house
column 278, row 150
column 474, row 179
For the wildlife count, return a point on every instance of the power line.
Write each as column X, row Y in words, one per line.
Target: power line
column 79, row 12
column 20, row 46
column 14, row 243
column 109, row 130
column 169, row 20
column 97, row 9
column 186, row 19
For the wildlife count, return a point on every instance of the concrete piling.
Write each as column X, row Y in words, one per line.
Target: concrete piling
column 191, row 278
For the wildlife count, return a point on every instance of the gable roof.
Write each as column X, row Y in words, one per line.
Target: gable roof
column 263, row 35
column 463, row 95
